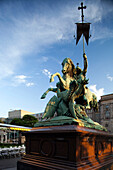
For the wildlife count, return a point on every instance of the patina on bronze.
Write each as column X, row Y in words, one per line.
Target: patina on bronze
column 71, row 88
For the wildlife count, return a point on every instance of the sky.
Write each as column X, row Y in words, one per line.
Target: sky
column 35, row 37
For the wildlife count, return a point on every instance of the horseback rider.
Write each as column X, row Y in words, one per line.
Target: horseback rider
column 76, row 91
column 79, row 94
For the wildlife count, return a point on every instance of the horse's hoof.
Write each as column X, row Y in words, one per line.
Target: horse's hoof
column 43, row 96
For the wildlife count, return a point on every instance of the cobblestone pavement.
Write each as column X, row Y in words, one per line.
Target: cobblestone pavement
column 9, row 164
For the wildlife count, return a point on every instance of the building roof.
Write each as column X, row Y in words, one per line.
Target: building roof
column 15, row 127
column 107, row 97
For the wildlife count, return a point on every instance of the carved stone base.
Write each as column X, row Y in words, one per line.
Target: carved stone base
column 67, row 147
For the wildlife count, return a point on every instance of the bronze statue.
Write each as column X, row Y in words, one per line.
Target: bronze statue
column 73, row 97
column 71, row 88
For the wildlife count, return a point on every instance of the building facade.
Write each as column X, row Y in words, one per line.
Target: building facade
column 94, row 115
column 104, row 116
column 106, row 111
column 18, row 114
column 38, row 116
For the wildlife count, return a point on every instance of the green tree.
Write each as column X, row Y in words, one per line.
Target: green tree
column 29, row 120
column 17, row 121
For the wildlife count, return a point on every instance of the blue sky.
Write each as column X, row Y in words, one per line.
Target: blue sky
column 35, row 37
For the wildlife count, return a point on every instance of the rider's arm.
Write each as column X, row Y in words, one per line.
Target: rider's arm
column 85, row 64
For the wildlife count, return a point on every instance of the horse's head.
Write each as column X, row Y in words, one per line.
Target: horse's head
column 67, row 66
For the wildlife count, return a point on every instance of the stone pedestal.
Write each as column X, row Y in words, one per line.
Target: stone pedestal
column 67, row 147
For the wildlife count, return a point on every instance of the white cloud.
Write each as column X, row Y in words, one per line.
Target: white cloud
column 46, row 72
column 97, row 92
column 25, row 32
column 28, row 34
column 109, row 77
column 29, row 84
column 97, row 11
column 22, row 79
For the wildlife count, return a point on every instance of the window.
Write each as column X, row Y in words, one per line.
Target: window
column 106, row 125
column 107, row 107
column 107, row 114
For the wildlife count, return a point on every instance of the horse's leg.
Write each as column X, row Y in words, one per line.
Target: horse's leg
column 51, row 107
column 75, row 95
column 59, row 93
column 49, row 89
column 72, row 109
column 60, row 79
column 53, row 75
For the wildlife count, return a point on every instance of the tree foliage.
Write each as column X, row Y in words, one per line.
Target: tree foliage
column 27, row 120
column 17, row 121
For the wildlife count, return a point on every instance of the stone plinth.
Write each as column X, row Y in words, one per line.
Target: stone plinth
column 67, row 147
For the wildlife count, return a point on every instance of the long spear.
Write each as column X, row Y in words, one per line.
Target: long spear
column 82, row 16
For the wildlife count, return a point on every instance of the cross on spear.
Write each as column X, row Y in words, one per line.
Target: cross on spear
column 82, row 7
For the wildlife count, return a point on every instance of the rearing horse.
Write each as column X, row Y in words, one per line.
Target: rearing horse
column 68, row 69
